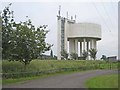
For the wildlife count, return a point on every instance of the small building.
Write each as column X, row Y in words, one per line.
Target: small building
column 112, row 58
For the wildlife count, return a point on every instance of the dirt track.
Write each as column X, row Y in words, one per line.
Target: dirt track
column 74, row 80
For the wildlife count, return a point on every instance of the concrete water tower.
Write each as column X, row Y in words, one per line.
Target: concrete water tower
column 68, row 30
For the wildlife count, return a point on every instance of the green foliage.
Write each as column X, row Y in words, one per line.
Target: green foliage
column 93, row 53
column 7, row 31
column 55, row 57
column 0, row 38
column 22, row 41
column 104, row 81
column 23, row 79
column 37, row 67
column 85, row 54
column 51, row 53
column 64, row 54
column 104, row 57
column 74, row 56
column 29, row 42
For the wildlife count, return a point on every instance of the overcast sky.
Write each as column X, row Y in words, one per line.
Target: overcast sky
column 103, row 13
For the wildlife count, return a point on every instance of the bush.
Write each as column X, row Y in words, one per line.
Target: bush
column 74, row 56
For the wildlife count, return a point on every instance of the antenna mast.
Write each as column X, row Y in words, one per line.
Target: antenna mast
column 67, row 15
column 59, row 10
column 75, row 17
column 71, row 17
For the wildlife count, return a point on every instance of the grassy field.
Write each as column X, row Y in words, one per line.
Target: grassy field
column 43, row 65
column 23, row 79
column 104, row 81
column 14, row 71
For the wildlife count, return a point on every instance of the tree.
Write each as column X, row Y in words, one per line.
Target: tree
column 64, row 54
column 93, row 53
column 24, row 42
column 104, row 57
column 0, row 38
column 51, row 53
column 55, row 57
column 74, row 56
column 85, row 54
column 7, row 31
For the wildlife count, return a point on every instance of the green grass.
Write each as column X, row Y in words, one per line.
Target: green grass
column 23, row 79
column 44, row 65
column 103, row 81
column 17, row 68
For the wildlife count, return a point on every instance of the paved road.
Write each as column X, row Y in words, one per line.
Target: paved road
column 74, row 80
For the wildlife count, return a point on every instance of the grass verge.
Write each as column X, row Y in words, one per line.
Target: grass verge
column 22, row 80
column 103, row 81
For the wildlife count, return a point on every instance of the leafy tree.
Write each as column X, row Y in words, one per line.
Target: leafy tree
column 30, row 42
column 23, row 40
column 74, row 56
column 85, row 54
column 51, row 53
column 93, row 53
column 64, row 54
column 0, row 38
column 55, row 57
column 104, row 57
column 7, row 31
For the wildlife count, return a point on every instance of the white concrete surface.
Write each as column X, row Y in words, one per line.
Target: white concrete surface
column 86, row 33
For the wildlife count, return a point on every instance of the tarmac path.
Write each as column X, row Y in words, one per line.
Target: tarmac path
column 74, row 80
